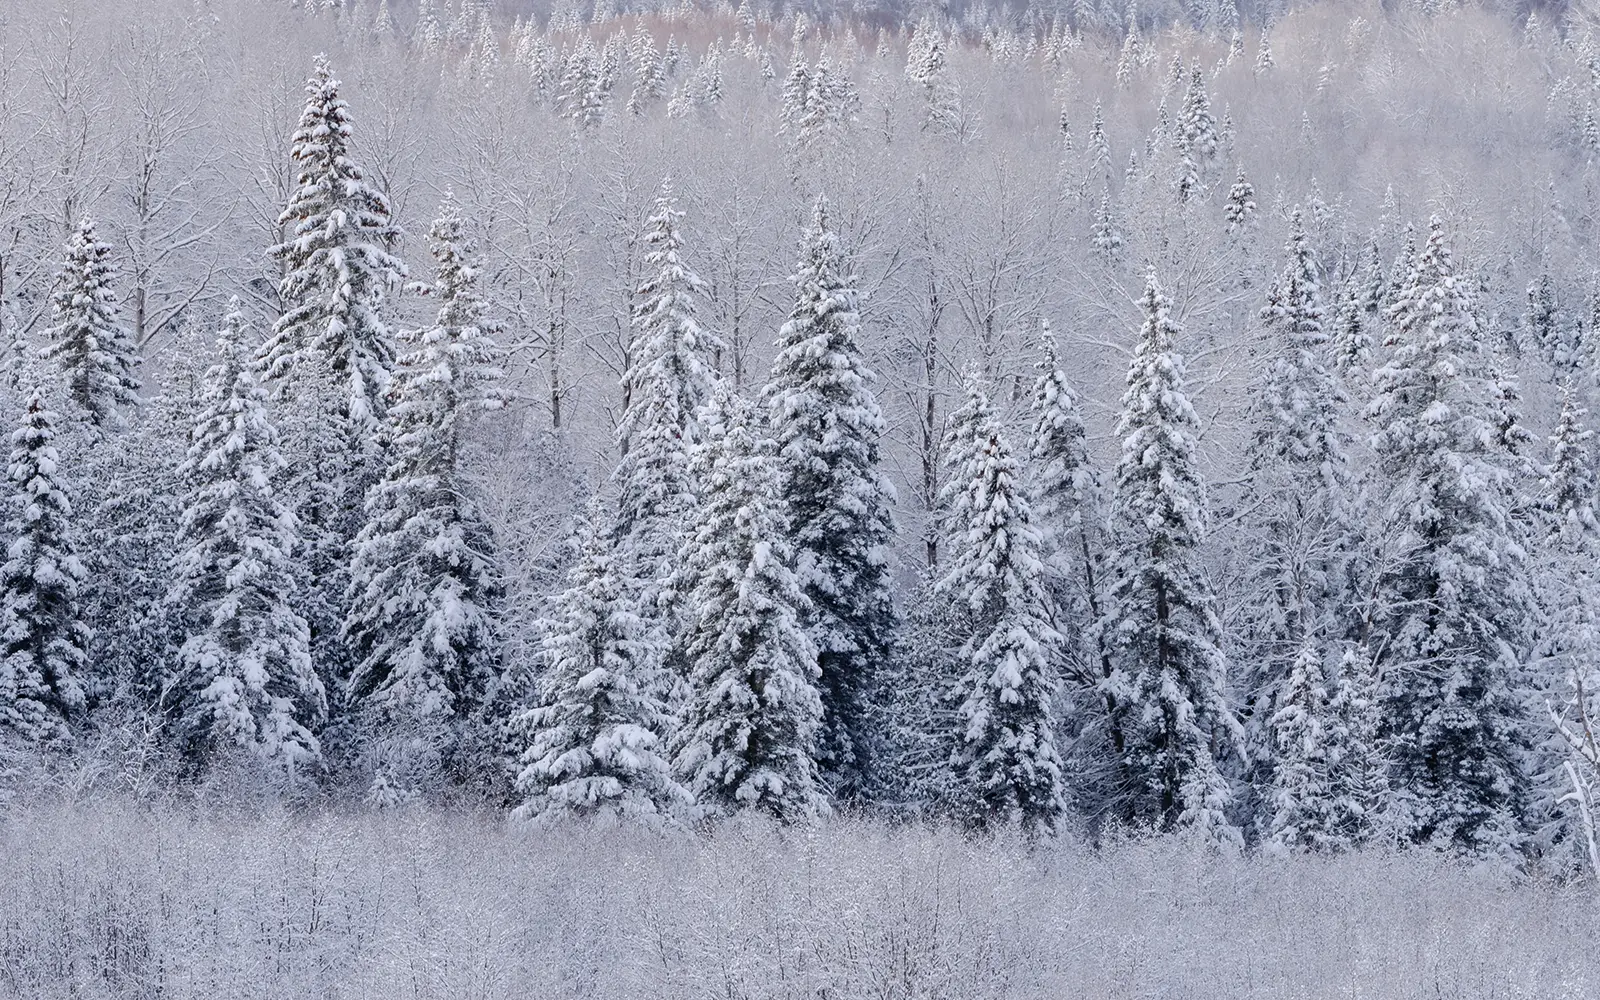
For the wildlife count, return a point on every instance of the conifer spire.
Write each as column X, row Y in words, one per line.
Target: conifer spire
column 88, row 340
column 243, row 674
column 43, row 641
column 827, row 427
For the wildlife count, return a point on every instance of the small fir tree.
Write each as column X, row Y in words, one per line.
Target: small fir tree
column 243, row 674
column 87, row 338
column 596, row 748
column 43, row 659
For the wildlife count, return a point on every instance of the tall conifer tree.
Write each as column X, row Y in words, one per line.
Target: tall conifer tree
column 668, row 378
column 423, row 579
column 1005, row 766
column 827, row 426
column 243, row 674
column 329, row 353
column 748, row 730
column 1161, row 623
column 43, row 640
column 1454, row 602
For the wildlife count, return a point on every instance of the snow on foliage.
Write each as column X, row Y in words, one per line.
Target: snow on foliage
column 243, row 673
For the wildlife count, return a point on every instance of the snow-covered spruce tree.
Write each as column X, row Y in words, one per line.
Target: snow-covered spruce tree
column 596, row 748
column 667, row 380
column 329, row 356
column 1240, row 209
column 1065, row 488
column 1104, row 235
column 86, row 338
column 1297, row 534
column 1264, row 61
column 337, row 265
column 792, row 109
column 423, row 581
column 1298, row 795
column 826, row 426
column 1297, row 415
column 1004, row 767
column 243, row 674
column 1163, row 630
column 1350, row 343
column 748, row 731
column 1454, row 606
column 1547, row 331
column 1358, row 766
column 1569, row 636
column 1570, row 489
column 44, row 639
column 1196, row 133
column 582, row 93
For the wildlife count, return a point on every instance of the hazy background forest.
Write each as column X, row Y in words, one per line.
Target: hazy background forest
column 1338, row 260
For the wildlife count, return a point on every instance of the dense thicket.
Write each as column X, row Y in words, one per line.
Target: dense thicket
column 1011, row 416
column 428, row 905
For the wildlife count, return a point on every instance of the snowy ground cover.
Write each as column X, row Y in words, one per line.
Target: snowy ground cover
column 124, row 902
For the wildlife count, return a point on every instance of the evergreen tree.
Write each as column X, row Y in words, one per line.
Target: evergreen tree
column 329, row 356
column 595, row 749
column 44, row 658
column 1005, row 767
column 748, row 731
column 1264, row 61
column 1164, row 632
column 1372, row 283
column 1358, row 767
column 95, row 351
column 1065, row 488
column 1400, row 270
column 1543, row 321
column 826, row 426
column 1454, row 605
column 581, row 95
column 1240, row 209
column 1297, row 545
column 337, row 267
column 1299, row 796
column 1297, row 413
column 1099, row 150
column 667, row 379
column 243, row 673
column 1349, row 341
column 1197, row 127
column 1545, row 329
column 1570, row 489
column 1104, row 235
column 423, row 580
column 796, row 91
